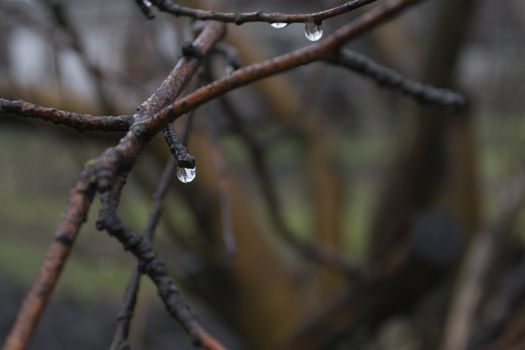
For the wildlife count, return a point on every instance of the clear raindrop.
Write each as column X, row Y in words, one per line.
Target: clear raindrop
column 186, row 175
column 279, row 25
column 313, row 31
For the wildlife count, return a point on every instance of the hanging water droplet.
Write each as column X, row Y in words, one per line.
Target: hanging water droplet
column 279, row 25
column 147, row 3
column 186, row 175
column 313, row 31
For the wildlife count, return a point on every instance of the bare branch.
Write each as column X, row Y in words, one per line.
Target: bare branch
column 264, row 69
column 36, row 300
column 177, row 148
column 150, row 265
column 128, row 304
column 100, row 175
column 258, row 16
column 78, row 121
column 390, row 78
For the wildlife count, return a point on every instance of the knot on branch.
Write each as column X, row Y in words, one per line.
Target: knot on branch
column 190, row 50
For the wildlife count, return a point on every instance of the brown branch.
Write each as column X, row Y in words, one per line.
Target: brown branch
column 258, row 16
column 76, row 212
column 128, row 304
column 150, row 265
column 100, row 175
column 177, row 148
column 389, row 78
column 264, row 69
column 78, row 121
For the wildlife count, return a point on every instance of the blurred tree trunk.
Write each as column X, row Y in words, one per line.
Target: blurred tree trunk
column 435, row 166
column 321, row 165
column 254, row 289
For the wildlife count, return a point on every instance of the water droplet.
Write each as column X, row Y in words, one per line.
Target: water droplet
column 147, row 3
column 279, row 25
column 186, row 175
column 313, row 31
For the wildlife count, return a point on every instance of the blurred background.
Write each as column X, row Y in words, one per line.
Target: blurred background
column 421, row 202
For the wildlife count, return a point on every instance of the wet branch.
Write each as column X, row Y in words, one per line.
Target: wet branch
column 267, row 68
column 390, row 78
column 77, row 121
column 177, row 148
column 150, row 265
column 75, row 215
column 255, row 16
column 100, row 175
column 107, row 174
column 128, row 304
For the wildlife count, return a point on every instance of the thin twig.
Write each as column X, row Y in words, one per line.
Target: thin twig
column 78, row 121
column 390, row 78
column 150, row 265
column 264, row 69
column 128, row 304
column 80, row 199
column 100, row 175
column 177, row 148
column 258, row 16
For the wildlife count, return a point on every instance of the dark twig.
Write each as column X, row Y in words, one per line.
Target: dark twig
column 114, row 163
column 264, row 69
column 178, row 149
column 80, row 199
column 390, row 78
column 128, row 304
column 150, row 265
column 78, row 121
column 100, row 175
column 258, row 16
